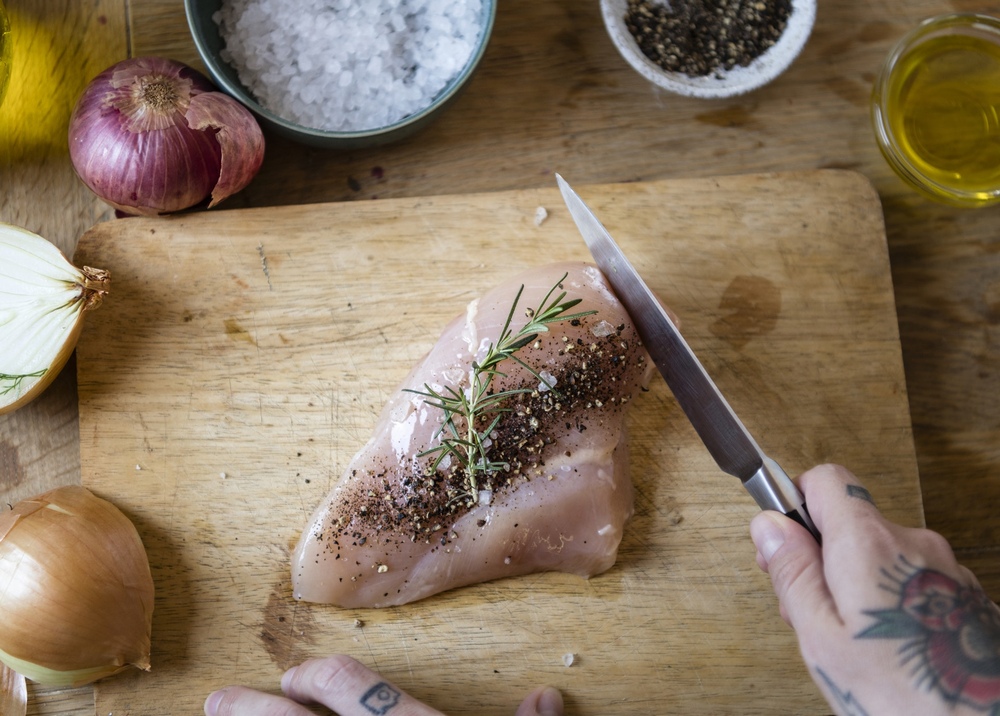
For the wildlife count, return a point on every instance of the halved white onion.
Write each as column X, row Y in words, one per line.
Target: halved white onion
column 42, row 301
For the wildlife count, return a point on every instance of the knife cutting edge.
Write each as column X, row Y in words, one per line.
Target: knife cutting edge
column 725, row 436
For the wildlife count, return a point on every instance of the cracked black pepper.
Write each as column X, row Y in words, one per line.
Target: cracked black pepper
column 705, row 37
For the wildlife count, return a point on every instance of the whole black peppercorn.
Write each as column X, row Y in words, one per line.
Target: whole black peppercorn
column 704, row 37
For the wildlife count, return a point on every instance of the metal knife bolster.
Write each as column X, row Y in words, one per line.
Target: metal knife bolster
column 773, row 489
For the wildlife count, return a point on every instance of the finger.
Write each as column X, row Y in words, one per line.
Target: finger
column 865, row 556
column 241, row 701
column 543, row 701
column 792, row 558
column 838, row 501
column 350, row 689
column 858, row 542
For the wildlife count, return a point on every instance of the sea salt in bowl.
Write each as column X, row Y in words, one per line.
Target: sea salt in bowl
column 342, row 74
column 722, row 83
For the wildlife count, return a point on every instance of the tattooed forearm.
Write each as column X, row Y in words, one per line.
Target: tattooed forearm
column 843, row 699
column 380, row 699
column 950, row 634
column 860, row 492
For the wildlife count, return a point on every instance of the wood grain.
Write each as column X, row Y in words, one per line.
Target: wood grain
column 58, row 46
column 553, row 95
column 52, row 61
column 246, row 354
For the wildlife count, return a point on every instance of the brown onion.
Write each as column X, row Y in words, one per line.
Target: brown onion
column 151, row 135
column 76, row 591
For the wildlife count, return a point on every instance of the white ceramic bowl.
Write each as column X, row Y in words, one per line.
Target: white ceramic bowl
column 736, row 81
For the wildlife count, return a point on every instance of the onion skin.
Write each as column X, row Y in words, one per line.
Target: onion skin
column 152, row 136
column 76, row 592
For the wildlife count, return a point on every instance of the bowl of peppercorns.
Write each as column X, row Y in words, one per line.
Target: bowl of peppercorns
column 709, row 48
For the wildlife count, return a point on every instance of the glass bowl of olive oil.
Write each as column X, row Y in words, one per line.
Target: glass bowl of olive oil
column 936, row 109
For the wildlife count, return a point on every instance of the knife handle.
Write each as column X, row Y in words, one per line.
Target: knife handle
column 773, row 489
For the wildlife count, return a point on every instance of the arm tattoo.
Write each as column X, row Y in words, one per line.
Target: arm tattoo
column 950, row 633
column 843, row 699
column 860, row 492
column 380, row 699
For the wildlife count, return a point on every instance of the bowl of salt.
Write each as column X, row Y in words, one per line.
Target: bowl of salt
column 342, row 74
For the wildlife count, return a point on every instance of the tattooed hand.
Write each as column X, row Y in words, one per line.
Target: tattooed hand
column 349, row 689
column 887, row 621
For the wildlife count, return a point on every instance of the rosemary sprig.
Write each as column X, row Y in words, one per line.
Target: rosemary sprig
column 16, row 380
column 471, row 415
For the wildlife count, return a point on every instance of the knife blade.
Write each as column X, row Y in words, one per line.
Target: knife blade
column 724, row 434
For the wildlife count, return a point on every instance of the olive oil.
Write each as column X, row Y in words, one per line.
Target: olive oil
column 940, row 107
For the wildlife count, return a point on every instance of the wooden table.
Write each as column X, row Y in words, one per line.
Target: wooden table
column 553, row 95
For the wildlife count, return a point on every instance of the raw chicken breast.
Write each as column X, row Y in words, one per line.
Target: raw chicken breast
column 392, row 531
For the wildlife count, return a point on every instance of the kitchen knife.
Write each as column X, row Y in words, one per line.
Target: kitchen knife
column 725, row 436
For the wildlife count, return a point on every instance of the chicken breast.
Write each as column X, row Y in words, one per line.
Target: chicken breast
column 394, row 529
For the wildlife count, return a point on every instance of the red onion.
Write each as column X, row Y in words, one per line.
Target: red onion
column 151, row 135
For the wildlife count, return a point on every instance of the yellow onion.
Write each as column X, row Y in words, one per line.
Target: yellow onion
column 151, row 135
column 42, row 301
column 76, row 593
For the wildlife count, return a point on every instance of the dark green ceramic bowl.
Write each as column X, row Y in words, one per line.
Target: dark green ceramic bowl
column 209, row 43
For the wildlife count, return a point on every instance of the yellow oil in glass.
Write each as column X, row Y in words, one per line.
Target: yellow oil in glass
column 942, row 104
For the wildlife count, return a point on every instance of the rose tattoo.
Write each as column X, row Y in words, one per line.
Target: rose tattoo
column 951, row 633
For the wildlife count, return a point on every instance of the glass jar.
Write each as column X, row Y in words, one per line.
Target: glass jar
column 936, row 109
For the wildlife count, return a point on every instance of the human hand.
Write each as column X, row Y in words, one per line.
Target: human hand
column 350, row 689
column 887, row 621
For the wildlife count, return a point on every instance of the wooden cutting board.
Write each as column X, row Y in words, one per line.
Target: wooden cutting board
column 243, row 356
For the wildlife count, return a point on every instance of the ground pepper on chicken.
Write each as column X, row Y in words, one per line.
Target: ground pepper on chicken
column 424, row 506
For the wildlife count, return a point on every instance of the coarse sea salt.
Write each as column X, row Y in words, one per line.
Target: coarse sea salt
column 344, row 65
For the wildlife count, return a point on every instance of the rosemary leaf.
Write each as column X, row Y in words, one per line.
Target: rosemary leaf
column 465, row 410
column 16, row 380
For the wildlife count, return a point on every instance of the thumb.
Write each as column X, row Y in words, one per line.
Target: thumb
column 794, row 561
column 543, row 701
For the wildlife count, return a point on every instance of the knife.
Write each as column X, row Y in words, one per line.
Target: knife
column 725, row 436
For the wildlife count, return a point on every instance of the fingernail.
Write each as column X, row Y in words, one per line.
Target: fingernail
column 550, row 702
column 212, row 702
column 767, row 536
column 286, row 678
